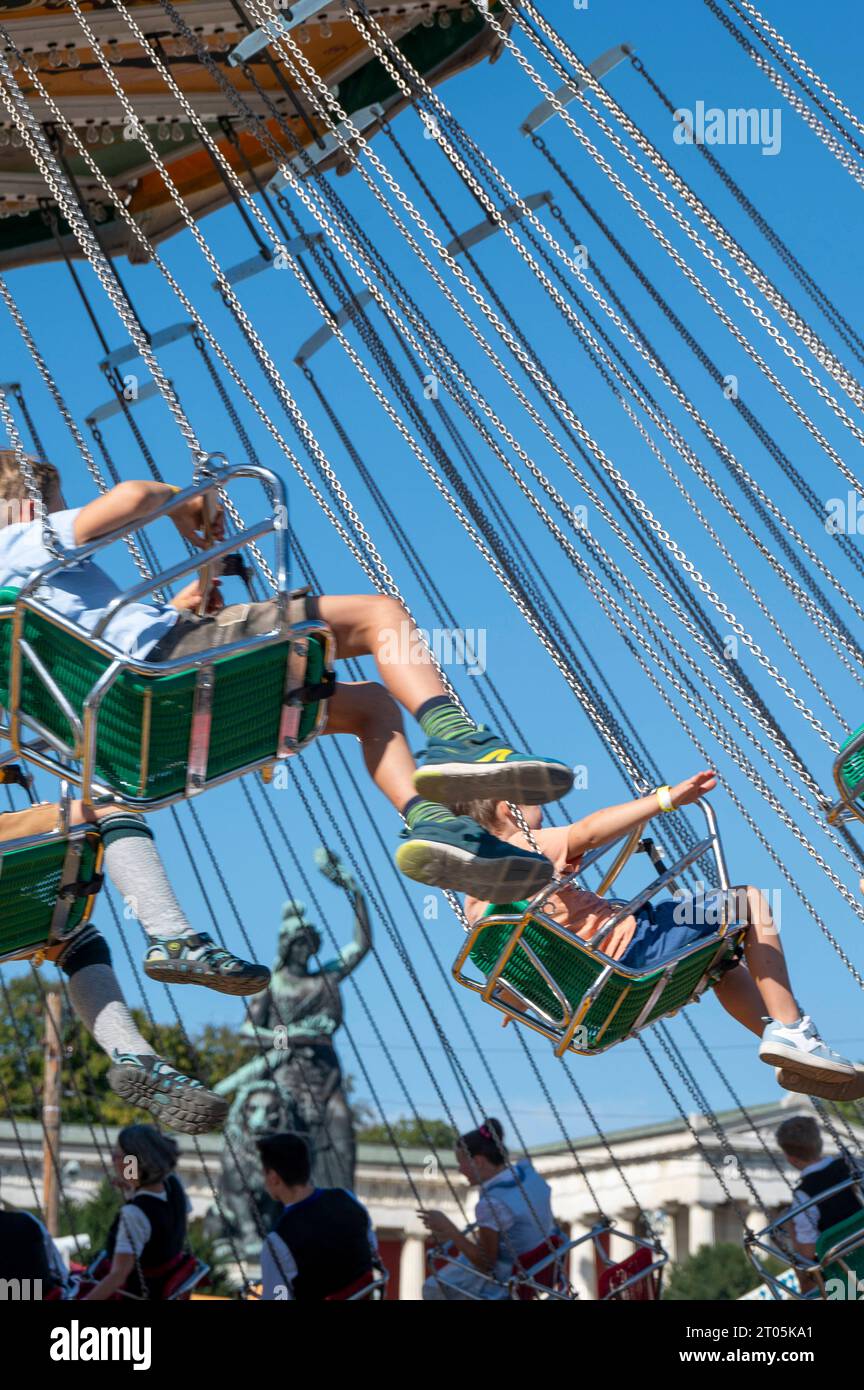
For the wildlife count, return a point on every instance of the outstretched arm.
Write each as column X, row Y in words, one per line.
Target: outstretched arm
column 602, row 827
column 134, row 501
column 351, row 955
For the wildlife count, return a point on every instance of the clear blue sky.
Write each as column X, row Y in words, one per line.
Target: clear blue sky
column 803, row 192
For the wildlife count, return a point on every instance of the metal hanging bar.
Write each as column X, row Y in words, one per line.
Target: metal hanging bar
column 259, row 39
column 569, row 92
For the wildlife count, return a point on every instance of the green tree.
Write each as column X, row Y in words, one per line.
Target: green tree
column 714, row 1274
column 93, row 1217
column 411, row 1133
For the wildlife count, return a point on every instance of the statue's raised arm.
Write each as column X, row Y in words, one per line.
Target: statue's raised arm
column 334, row 869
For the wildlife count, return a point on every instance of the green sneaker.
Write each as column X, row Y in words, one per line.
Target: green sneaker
column 458, row 854
column 483, row 765
column 198, row 960
column 176, row 1100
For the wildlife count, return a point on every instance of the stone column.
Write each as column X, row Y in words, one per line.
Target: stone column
column 701, row 1226
column 582, row 1265
column 412, row 1269
column 624, row 1221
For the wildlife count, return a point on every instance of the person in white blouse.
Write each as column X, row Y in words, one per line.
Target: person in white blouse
column 512, row 1218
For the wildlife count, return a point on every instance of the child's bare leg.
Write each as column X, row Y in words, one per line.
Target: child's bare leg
column 440, row 849
column 739, row 996
column 790, row 1040
column 378, row 626
column 460, row 762
column 766, row 961
column 365, row 709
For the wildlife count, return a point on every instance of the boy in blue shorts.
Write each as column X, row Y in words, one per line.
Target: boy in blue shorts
column 757, row 994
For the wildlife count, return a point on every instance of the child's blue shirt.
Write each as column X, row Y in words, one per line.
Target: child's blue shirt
column 82, row 592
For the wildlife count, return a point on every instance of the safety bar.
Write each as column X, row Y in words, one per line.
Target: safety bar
column 273, row 486
column 632, row 840
column 783, row 1248
column 856, row 1180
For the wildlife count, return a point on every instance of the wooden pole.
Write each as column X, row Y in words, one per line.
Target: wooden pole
column 51, row 1096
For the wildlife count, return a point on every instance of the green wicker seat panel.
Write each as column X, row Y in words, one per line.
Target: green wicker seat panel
column 852, row 771
column 246, row 709
column 29, row 881
column 854, row 1260
column 686, row 977
column 574, row 972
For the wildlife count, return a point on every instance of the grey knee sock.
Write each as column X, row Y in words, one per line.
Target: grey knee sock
column 137, row 872
column 98, row 1001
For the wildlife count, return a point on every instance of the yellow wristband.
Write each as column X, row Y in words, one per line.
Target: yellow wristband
column 664, row 796
column 173, row 488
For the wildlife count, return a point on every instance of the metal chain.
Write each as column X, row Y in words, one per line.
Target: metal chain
column 814, row 76
column 843, row 156
column 686, row 1076
column 366, row 279
column 693, row 278
column 808, row 336
column 490, row 291
column 838, row 322
column 649, row 406
column 196, row 318
column 769, row 1153
column 40, row 151
column 822, row 605
column 262, row 356
column 671, row 677
column 22, row 405
column 49, row 537
column 415, row 448
column 405, row 957
column 812, row 851
column 615, row 474
column 66, row 414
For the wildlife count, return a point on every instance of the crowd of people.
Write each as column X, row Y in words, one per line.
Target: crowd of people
column 323, row 1246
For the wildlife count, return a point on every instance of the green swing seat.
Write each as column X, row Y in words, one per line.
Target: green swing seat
column 848, row 773
column 575, row 995
column 851, row 767
column 145, row 722
column 846, row 1262
column 48, row 884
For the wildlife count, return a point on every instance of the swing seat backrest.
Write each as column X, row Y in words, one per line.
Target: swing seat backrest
column 837, row 1257
column 145, row 722
column 185, row 1277
column 361, row 1289
column 31, row 879
column 550, row 1276
column 614, row 1286
column 852, row 769
column 564, row 982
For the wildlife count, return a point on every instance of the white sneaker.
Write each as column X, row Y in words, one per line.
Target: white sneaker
column 799, row 1048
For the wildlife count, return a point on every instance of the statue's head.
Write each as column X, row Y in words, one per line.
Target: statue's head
column 298, row 938
column 261, row 1107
